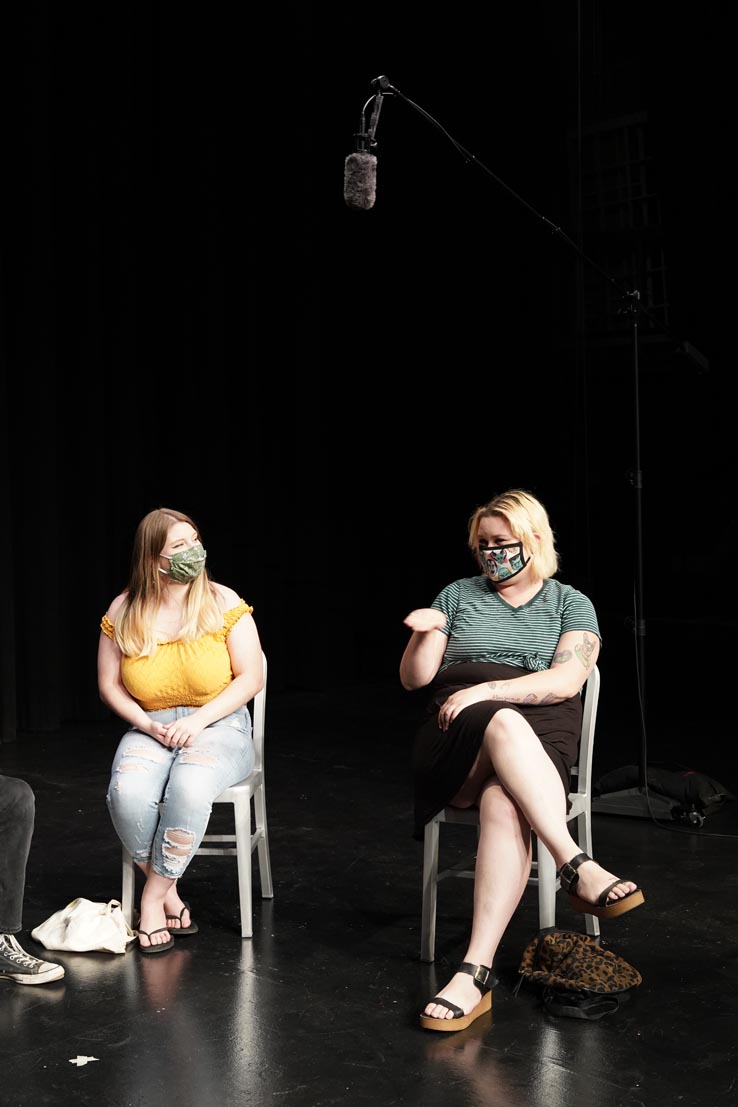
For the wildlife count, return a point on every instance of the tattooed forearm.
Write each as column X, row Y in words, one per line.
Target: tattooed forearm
column 585, row 651
column 561, row 657
column 501, row 691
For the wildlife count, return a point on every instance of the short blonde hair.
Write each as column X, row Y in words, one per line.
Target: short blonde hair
column 528, row 521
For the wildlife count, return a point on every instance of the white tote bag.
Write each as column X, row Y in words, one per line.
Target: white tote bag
column 86, row 927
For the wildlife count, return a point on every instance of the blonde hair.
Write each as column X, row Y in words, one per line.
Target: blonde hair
column 134, row 623
column 528, row 520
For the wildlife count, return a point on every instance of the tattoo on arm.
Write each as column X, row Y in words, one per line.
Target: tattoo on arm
column 585, row 651
column 502, row 690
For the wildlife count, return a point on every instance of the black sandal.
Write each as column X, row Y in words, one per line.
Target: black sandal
column 182, row 931
column 602, row 909
column 150, row 948
column 484, row 981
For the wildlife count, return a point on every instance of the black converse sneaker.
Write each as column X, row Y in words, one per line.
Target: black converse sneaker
column 17, row 965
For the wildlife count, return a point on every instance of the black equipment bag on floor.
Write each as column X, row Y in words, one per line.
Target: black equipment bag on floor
column 693, row 791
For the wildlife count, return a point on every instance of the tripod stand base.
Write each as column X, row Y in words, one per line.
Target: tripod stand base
column 634, row 801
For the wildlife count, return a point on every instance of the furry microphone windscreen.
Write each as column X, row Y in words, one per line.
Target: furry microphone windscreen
column 360, row 181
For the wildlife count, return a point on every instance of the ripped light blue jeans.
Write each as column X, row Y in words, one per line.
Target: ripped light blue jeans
column 185, row 781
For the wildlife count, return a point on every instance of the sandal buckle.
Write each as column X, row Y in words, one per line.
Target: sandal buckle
column 568, row 875
column 481, row 975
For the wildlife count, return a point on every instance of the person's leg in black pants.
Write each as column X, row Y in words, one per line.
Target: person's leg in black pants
column 17, row 819
column 17, row 816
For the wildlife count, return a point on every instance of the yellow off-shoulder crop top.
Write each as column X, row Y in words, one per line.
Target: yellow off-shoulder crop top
column 181, row 674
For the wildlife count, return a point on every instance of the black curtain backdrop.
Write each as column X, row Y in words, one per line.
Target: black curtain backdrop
column 192, row 317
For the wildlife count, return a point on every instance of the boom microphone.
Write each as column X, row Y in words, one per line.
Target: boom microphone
column 360, row 180
column 360, row 173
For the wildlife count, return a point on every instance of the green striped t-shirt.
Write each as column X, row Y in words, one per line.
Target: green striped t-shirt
column 481, row 626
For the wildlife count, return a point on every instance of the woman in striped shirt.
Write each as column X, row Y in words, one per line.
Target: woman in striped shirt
column 505, row 654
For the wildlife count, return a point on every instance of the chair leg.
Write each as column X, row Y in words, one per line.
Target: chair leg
column 128, row 887
column 546, row 887
column 262, row 845
column 242, row 820
column 430, row 892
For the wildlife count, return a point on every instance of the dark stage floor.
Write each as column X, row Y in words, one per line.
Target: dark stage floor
column 320, row 1006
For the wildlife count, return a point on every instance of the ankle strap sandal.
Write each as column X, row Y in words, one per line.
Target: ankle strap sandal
column 484, row 980
column 602, row 907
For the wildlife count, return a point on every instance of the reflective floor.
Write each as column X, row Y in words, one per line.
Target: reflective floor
column 320, row 1006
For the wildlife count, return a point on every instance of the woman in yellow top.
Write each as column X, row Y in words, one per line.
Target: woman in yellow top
column 178, row 660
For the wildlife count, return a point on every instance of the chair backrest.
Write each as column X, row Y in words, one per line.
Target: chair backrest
column 258, row 719
column 581, row 777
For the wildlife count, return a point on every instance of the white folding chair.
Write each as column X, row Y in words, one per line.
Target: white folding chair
column 543, row 870
column 249, row 834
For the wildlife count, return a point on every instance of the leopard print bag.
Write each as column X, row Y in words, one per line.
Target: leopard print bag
column 579, row 978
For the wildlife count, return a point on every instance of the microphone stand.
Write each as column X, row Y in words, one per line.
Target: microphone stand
column 629, row 801
column 364, row 139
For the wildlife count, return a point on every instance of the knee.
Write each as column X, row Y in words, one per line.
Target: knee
column 177, row 851
column 503, row 729
column 22, row 799
column 497, row 806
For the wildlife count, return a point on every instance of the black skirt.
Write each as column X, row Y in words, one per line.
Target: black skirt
column 442, row 760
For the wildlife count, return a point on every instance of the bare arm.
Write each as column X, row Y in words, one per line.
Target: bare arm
column 244, row 648
column 574, row 660
column 111, row 688
column 113, row 692
column 575, row 657
column 424, row 652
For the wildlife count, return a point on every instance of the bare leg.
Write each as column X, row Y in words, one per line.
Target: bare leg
column 159, row 898
column 500, row 877
column 512, row 750
column 526, row 792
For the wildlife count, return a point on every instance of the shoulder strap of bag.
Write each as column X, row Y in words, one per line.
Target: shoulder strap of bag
column 579, row 1006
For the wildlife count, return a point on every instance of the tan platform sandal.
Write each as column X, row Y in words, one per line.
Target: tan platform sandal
column 484, row 981
column 601, row 908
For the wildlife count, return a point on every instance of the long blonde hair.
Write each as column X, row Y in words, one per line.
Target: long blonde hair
column 134, row 623
column 528, row 521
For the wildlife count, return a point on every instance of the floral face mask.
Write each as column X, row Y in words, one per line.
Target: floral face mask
column 185, row 565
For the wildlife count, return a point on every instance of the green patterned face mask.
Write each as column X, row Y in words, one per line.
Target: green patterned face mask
column 185, row 565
